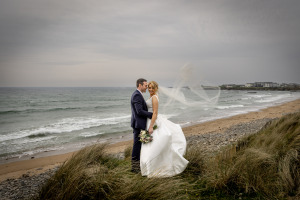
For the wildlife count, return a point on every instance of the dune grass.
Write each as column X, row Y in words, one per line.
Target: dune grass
column 93, row 174
column 264, row 165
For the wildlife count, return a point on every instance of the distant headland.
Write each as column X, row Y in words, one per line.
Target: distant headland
column 262, row 86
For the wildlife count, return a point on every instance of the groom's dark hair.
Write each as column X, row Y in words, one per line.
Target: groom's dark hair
column 140, row 81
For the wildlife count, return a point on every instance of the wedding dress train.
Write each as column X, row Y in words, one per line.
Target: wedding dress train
column 163, row 157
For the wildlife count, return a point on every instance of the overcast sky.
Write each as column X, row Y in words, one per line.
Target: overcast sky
column 112, row 43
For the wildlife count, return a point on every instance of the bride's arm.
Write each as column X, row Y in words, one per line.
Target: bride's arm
column 154, row 116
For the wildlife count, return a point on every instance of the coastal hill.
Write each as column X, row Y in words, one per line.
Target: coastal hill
column 262, row 86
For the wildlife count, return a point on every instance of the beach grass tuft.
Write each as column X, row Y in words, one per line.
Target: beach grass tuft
column 264, row 165
column 127, row 152
column 93, row 174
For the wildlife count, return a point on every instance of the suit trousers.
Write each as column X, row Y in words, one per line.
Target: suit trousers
column 136, row 149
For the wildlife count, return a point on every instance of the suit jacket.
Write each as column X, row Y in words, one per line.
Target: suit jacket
column 139, row 111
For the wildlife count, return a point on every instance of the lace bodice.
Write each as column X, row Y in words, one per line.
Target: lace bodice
column 149, row 103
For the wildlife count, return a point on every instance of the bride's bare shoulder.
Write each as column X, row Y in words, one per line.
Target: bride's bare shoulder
column 156, row 96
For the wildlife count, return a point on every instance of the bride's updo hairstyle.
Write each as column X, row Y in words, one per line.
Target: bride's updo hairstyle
column 154, row 85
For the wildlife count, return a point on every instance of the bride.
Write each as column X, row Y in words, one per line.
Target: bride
column 163, row 157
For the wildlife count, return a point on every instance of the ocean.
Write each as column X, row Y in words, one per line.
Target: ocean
column 55, row 120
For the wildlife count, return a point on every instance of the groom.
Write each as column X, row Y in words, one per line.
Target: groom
column 139, row 117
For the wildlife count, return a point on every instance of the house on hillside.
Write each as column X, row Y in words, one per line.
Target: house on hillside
column 249, row 85
column 270, row 84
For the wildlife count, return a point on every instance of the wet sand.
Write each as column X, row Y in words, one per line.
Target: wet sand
column 39, row 165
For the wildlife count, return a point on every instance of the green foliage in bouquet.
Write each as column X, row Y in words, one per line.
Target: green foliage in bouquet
column 145, row 136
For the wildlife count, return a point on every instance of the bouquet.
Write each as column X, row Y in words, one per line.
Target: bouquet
column 145, row 136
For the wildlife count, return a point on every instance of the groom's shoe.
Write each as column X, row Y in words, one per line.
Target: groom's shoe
column 135, row 166
column 136, row 171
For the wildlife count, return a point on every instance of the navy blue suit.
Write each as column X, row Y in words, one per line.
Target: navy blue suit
column 139, row 117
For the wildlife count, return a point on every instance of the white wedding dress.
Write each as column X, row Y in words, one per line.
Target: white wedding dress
column 163, row 157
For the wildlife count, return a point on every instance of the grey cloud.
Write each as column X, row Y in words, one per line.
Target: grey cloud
column 99, row 34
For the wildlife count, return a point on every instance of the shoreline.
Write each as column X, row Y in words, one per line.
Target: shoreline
column 17, row 169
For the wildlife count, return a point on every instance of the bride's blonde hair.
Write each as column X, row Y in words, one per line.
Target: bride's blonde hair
column 154, row 85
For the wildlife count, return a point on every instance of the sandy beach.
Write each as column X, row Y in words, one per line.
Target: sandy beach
column 39, row 165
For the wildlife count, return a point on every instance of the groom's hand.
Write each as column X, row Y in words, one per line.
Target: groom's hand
column 150, row 130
